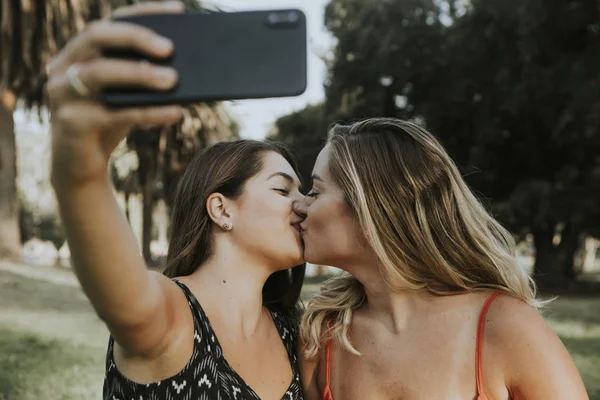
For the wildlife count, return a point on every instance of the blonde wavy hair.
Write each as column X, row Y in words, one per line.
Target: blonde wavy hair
column 421, row 219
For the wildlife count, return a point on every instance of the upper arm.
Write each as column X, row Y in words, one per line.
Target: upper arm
column 152, row 332
column 140, row 307
column 308, row 373
column 535, row 363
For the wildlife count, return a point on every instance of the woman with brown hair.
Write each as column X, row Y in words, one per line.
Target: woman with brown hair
column 221, row 321
column 433, row 303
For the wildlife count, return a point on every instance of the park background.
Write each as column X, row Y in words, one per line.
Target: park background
column 511, row 87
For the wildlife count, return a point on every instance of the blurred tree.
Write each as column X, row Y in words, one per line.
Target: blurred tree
column 304, row 132
column 519, row 102
column 27, row 223
column 382, row 50
column 30, row 33
column 124, row 180
column 9, row 208
column 509, row 86
column 50, row 230
column 381, row 47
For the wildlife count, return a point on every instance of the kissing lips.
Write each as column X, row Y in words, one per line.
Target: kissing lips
column 302, row 229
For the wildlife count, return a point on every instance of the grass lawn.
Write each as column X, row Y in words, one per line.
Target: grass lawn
column 52, row 344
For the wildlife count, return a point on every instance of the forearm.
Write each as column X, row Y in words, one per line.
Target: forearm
column 105, row 253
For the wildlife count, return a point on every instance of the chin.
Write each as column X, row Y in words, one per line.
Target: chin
column 299, row 259
column 310, row 257
column 292, row 259
column 299, row 256
column 314, row 257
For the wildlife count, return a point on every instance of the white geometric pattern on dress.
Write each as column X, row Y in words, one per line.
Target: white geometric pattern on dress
column 177, row 387
column 205, row 381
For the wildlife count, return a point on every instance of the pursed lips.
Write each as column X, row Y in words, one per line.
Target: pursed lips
column 302, row 229
column 297, row 226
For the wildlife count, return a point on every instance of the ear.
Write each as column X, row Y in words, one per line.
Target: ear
column 218, row 210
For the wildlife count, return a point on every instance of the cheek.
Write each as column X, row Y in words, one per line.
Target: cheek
column 331, row 233
column 262, row 214
column 328, row 212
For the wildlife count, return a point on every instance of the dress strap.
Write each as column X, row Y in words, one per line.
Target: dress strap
column 479, row 343
column 328, row 365
column 201, row 328
column 328, row 362
column 326, row 394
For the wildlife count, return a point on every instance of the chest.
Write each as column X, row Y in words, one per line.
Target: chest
column 265, row 367
column 409, row 375
column 422, row 363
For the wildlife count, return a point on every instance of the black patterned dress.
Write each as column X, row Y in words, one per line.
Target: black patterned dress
column 207, row 375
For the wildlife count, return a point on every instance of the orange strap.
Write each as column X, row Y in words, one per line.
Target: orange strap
column 326, row 394
column 328, row 363
column 479, row 343
column 328, row 374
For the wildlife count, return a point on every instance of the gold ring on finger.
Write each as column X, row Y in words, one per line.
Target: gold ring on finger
column 75, row 82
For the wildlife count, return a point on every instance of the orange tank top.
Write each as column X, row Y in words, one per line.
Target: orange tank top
column 327, row 395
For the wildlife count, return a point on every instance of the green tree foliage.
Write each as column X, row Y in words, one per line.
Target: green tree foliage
column 304, row 132
column 509, row 86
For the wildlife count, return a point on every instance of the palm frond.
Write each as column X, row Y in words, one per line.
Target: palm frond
column 31, row 32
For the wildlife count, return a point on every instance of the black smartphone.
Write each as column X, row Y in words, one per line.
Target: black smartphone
column 223, row 56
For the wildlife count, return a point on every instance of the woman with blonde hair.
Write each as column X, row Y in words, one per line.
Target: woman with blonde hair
column 433, row 303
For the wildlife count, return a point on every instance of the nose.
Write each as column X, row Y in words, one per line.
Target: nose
column 300, row 208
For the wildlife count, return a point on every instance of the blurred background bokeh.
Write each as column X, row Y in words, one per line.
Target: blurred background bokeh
column 511, row 87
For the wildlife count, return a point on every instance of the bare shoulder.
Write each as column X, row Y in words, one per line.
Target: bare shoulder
column 509, row 316
column 513, row 324
column 160, row 348
column 172, row 320
column 532, row 357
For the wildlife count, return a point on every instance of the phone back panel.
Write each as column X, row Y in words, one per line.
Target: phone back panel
column 224, row 56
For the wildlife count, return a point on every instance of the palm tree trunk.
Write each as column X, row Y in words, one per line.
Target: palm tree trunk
column 147, row 175
column 548, row 270
column 10, row 244
column 590, row 249
column 148, row 205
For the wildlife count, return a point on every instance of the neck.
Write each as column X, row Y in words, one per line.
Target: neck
column 231, row 284
column 393, row 307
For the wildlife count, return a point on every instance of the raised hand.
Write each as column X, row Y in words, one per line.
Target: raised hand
column 84, row 131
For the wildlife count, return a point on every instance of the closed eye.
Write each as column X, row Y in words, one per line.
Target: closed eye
column 283, row 191
column 312, row 193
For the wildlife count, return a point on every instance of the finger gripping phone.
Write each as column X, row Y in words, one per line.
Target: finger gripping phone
column 223, row 56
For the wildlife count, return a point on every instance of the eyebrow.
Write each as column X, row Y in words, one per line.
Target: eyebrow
column 287, row 177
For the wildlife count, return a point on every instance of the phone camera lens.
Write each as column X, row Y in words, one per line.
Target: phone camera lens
column 273, row 18
column 292, row 17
